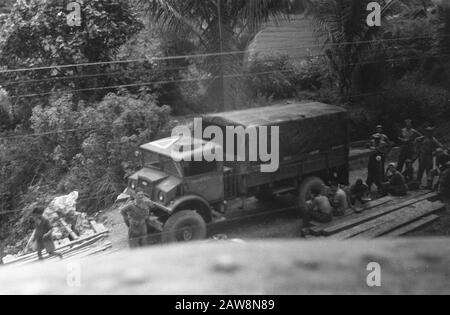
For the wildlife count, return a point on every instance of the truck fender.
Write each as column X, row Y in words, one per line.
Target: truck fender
column 193, row 202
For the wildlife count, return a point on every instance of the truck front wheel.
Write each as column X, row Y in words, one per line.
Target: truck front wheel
column 184, row 226
column 304, row 194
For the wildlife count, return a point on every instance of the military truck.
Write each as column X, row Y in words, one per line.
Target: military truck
column 187, row 196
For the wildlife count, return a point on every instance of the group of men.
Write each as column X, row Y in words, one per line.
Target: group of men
column 396, row 180
column 432, row 158
column 326, row 203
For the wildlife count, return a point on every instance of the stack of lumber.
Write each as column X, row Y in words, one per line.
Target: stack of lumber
column 79, row 248
column 385, row 217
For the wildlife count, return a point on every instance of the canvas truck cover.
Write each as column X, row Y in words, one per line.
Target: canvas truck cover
column 304, row 127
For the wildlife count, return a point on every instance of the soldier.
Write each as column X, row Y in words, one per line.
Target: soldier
column 379, row 130
column 427, row 146
column 135, row 216
column 375, row 174
column 407, row 139
column 43, row 234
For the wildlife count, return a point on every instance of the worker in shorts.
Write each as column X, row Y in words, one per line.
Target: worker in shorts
column 43, row 234
column 407, row 138
column 135, row 216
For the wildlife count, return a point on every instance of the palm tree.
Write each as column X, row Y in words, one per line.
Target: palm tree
column 217, row 26
column 343, row 24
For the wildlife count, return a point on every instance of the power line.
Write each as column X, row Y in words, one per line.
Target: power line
column 198, row 79
column 9, row 83
column 154, row 59
column 191, row 80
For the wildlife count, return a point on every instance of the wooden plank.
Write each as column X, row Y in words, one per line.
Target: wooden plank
column 68, row 252
column 412, row 227
column 373, row 214
column 33, row 256
column 98, row 228
column 389, row 222
column 401, row 218
column 320, row 228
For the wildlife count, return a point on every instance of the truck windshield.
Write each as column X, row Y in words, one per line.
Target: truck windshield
column 162, row 163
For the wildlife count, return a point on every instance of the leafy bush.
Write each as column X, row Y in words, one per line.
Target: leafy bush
column 281, row 77
column 37, row 35
column 100, row 153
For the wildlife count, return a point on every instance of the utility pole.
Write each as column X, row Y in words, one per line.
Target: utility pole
column 221, row 61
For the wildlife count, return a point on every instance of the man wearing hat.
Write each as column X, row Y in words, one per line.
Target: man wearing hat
column 407, row 138
column 428, row 144
column 379, row 130
column 375, row 169
column 135, row 215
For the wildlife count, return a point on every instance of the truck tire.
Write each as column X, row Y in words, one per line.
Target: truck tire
column 305, row 191
column 184, row 226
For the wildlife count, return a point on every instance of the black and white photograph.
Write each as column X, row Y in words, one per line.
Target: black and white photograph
column 224, row 155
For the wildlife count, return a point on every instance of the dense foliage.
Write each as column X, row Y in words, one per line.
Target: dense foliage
column 37, row 35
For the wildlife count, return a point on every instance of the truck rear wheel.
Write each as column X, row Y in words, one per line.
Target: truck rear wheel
column 184, row 226
column 304, row 194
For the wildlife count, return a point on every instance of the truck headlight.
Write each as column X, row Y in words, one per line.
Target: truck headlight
column 161, row 196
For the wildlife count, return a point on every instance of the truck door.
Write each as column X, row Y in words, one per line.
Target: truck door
column 205, row 179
